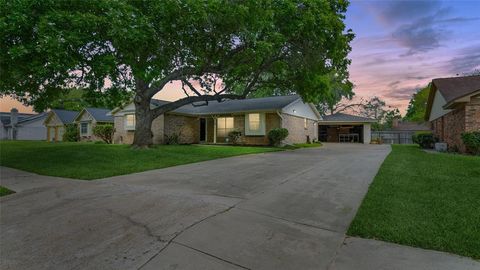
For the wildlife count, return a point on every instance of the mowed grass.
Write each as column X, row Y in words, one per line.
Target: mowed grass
column 5, row 191
column 424, row 200
column 93, row 161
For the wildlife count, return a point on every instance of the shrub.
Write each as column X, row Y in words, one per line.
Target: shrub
column 234, row 136
column 277, row 135
column 104, row 132
column 172, row 139
column 424, row 139
column 472, row 141
column 71, row 133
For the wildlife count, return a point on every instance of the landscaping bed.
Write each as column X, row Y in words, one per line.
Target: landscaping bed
column 424, row 200
column 93, row 161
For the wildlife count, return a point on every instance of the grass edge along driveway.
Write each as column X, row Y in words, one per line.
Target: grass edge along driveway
column 424, row 200
column 93, row 161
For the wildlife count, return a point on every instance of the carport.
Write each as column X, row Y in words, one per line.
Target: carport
column 345, row 128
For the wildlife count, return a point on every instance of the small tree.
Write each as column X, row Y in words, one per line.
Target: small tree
column 277, row 135
column 71, row 133
column 104, row 132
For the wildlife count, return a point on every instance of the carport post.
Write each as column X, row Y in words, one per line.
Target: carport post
column 367, row 134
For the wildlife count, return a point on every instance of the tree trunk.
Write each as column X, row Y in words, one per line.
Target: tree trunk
column 143, row 122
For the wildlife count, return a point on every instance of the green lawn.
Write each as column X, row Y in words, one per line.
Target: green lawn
column 424, row 200
column 5, row 191
column 93, row 161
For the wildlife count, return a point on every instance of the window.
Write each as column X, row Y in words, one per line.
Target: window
column 130, row 121
column 83, row 128
column 254, row 121
column 305, row 123
column 224, row 126
column 255, row 124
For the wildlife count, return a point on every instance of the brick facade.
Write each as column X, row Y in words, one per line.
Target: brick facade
column 472, row 115
column 450, row 126
column 297, row 132
column 188, row 128
column 126, row 136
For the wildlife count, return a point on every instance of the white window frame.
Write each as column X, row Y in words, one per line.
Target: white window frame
column 226, row 129
column 86, row 133
column 127, row 126
column 260, row 131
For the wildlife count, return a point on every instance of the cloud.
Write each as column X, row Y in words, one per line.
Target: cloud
column 418, row 26
column 467, row 60
column 392, row 84
column 404, row 93
column 393, row 12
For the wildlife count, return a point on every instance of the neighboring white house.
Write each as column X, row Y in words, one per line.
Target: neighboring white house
column 19, row 126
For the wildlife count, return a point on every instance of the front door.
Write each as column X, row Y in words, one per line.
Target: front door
column 203, row 129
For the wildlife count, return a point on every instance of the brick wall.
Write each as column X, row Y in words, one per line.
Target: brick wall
column 126, row 136
column 272, row 120
column 449, row 128
column 121, row 135
column 187, row 127
column 472, row 115
column 297, row 133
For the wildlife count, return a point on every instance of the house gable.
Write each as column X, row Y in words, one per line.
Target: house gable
column 53, row 120
column 84, row 116
column 300, row 109
column 436, row 110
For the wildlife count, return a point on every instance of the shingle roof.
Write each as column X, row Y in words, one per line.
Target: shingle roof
column 65, row 116
column 33, row 117
column 100, row 114
column 343, row 117
column 456, row 87
column 241, row 105
column 5, row 117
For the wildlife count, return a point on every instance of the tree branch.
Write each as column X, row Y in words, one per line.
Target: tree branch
column 188, row 100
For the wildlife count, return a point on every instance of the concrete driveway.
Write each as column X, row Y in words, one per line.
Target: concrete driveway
column 283, row 210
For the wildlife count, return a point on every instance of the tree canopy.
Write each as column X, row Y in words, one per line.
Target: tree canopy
column 418, row 105
column 218, row 49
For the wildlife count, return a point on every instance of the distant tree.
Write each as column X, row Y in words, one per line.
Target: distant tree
column 374, row 108
column 218, row 49
column 76, row 99
column 418, row 105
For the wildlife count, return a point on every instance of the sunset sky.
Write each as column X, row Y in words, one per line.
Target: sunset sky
column 399, row 47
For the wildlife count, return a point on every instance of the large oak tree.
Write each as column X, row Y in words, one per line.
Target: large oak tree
column 218, row 49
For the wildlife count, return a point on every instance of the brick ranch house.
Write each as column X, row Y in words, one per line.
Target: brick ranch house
column 453, row 107
column 253, row 118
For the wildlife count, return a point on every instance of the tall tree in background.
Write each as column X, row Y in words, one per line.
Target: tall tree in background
column 76, row 99
column 418, row 105
column 218, row 49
